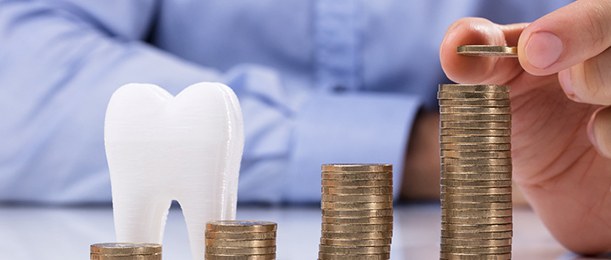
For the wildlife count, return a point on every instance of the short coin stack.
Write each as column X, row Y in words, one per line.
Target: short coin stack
column 476, row 167
column 241, row 239
column 357, row 211
column 123, row 251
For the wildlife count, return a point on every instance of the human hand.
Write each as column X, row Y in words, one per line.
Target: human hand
column 561, row 147
column 421, row 165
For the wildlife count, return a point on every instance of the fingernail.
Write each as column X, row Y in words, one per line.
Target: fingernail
column 543, row 49
column 599, row 131
column 564, row 77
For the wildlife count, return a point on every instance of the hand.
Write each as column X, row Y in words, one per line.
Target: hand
column 421, row 165
column 564, row 172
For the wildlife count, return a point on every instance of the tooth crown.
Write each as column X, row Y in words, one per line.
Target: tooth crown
column 162, row 148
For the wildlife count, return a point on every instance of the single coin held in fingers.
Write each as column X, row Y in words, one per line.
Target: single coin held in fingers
column 488, row 50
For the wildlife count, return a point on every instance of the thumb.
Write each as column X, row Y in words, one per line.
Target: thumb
column 566, row 37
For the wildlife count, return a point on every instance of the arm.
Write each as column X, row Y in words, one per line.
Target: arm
column 59, row 64
column 61, row 60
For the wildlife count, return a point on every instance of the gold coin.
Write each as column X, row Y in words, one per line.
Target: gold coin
column 475, row 132
column 475, row 139
column 477, row 212
column 460, row 256
column 474, row 102
column 125, row 249
column 476, row 168
column 472, row 95
column 473, row 87
column 476, row 242
column 357, row 190
column 483, row 170
column 240, row 243
column 454, row 230
column 356, row 242
column 454, row 197
column 477, row 154
column 477, row 205
column 358, row 250
column 475, row 227
column 476, row 147
column 240, row 250
column 241, row 235
column 357, row 176
column 474, row 176
column 463, row 256
column 488, row 50
column 483, row 173
column 356, row 227
column 475, row 118
column 504, row 110
column 357, row 235
column 474, row 125
column 356, row 205
column 243, row 257
column 500, row 184
column 220, row 226
column 322, row 256
column 357, row 198
column 480, row 161
column 356, row 183
column 476, row 221
column 357, row 167
column 475, row 199
column 476, row 190
column 477, row 235
column 357, row 213
column 361, row 220
column 480, row 250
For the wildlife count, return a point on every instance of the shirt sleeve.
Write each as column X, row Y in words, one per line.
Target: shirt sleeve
column 285, row 146
column 59, row 64
column 60, row 61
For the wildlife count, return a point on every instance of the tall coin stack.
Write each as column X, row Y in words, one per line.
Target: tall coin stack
column 123, row 251
column 476, row 207
column 241, row 240
column 357, row 211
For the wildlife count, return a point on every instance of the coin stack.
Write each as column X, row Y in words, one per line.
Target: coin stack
column 476, row 207
column 357, row 211
column 124, row 251
column 241, row 239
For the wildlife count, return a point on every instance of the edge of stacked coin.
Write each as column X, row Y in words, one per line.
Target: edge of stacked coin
column 116, row 251
column 476, row 206
column 357, row 211
column 241, row 239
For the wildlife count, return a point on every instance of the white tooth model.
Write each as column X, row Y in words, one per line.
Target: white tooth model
column 162, row 148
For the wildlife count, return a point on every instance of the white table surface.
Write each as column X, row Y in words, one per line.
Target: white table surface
column 32, row 233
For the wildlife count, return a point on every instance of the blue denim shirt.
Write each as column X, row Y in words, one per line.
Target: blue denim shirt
column 319, row 81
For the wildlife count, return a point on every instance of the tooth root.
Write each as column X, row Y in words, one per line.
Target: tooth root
column 162, row 148
column 146, row 222
column 193, row 213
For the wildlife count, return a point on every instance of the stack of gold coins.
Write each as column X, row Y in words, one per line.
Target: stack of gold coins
column 476, row 207
column 124, row 251
column 240, row 239
column 357, row 211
